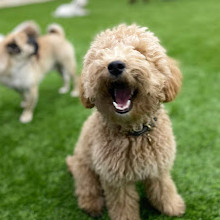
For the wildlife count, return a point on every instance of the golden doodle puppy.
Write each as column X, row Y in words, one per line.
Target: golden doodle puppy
column 27, row 57
column 127, row 76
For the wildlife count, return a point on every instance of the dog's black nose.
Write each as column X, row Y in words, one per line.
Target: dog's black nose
column 116, row 68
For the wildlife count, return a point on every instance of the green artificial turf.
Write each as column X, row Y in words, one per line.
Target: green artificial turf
column 34, row 181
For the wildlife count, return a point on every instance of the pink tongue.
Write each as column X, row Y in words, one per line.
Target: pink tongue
column 122, row 96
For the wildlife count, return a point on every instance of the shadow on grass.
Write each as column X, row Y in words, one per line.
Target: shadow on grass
column 146, row 209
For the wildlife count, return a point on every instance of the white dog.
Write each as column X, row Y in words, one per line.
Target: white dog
column 73, row 9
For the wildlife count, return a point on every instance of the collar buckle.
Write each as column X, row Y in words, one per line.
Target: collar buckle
column 146, row 128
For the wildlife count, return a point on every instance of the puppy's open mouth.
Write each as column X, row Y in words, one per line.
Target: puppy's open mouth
column 122, row 95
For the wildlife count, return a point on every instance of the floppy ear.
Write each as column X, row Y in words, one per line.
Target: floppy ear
column 32, row 30
column 29, row 27
column 173, row 82
column 85, row 100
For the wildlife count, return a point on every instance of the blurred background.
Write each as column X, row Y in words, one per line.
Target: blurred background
column 34, row 181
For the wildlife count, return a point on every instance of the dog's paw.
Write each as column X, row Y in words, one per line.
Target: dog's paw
column 63, row 90
column 26, row 117
column 91, row 205
column 93, row 214
column 74, row 93
column 174, row 206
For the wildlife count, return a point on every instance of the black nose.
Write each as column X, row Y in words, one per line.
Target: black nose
column 116, row 68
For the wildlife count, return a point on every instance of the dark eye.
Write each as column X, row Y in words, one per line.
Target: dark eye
column 13, row 48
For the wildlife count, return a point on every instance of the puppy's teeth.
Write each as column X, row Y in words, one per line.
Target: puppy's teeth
column 121, row 108
column 115, row 104
column 128, row 103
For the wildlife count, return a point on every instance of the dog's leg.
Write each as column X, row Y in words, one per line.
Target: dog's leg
column 75, row 91
column 87, row 186
column 163, row 195
column 122, row 202
column 23, row 104
column 23, row 96
column 69, row 71
column 72, row 71
column 24, row 101
column 66, row 79
column 31, row 98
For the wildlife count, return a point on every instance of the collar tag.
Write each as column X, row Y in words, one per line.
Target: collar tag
column 145, row 129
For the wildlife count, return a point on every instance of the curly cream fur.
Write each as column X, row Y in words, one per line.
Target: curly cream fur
column 106, row 157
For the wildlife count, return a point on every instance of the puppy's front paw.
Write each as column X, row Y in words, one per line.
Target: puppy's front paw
column 63, row 90
column 174, row 206
column 26, row 117
column 91, row 205
column 74, row 93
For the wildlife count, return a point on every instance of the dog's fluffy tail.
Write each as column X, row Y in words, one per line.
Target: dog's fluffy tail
column 56, row 29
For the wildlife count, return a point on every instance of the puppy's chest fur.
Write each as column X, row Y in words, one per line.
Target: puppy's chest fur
column 19, row 77
column 124, row 159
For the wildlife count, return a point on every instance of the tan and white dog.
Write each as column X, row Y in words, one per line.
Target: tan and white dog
column 25, row 58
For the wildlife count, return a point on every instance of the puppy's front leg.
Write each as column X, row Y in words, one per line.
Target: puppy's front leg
column 87, row 186
column 30, row 101
column 163, row 195
column 122, row 202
